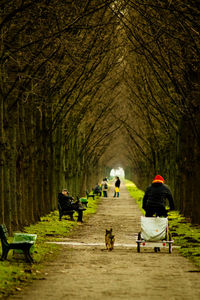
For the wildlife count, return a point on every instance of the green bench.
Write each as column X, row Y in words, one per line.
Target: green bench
column 90, row 195
column 25, row 246
column 84, row 201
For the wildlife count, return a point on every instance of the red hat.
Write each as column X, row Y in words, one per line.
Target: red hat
column 158, row 178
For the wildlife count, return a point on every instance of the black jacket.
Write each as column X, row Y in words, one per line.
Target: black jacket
column 65, row 201
column 117, row 183
column 156, row 195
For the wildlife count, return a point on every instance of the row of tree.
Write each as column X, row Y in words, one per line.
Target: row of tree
column 164, row 95
column 88, row 85
column 55, row 57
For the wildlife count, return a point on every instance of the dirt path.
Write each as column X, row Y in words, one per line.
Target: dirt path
column 88, row 271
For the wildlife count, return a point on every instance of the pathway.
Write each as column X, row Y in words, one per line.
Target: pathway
column 87, row 271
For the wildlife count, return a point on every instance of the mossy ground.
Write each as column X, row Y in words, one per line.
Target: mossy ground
column 136, row 193
column 14, row 272
column 184, row 234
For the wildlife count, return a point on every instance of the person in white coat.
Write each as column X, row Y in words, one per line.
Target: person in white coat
column 104, row 186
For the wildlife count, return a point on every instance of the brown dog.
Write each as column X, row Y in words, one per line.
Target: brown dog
column 109, row 240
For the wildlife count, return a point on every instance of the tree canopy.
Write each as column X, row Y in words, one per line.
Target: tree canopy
column 90, row 85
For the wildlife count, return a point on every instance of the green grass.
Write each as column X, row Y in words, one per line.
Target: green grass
column 14, row 272
column 184, row 234
column 136, row 193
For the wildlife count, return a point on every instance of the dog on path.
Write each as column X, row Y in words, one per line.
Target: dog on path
column 109, row 240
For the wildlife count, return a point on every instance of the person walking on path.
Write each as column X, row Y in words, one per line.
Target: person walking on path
column 104, row 186
column 154, row 200
column 117, row 186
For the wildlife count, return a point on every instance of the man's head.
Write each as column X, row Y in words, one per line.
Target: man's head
column 158, row 178
column 65, row 192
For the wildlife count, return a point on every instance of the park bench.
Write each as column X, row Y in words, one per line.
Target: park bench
column 97, row 193
column 84, row 201
column 70, row 212
column 17, row 245
column 65, row 212
column 90, row 195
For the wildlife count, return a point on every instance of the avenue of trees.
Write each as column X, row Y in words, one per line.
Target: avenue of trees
column 164, row 95
column 87, row 85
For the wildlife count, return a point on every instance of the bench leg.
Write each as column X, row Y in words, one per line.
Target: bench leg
column 80, row 216
column 71, row 217
column 27, row 255
column 4, row 253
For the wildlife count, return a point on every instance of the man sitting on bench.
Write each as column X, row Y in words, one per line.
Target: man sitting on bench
column 97, row 190
column 65, row 200
column 67, row 204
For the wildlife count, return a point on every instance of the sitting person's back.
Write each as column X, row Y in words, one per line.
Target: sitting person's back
column 154, row 200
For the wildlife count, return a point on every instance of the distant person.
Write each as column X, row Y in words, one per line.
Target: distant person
column 154, row 200
column 117, row 186
column 104, row 186
column 97, row 190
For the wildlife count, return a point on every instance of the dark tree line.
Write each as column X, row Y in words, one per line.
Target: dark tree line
column 55, row 56
column 88, row 85
column 163, row 60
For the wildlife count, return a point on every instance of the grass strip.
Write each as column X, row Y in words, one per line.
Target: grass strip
column 136, row 193
column 15, row 272
column 184, row 234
